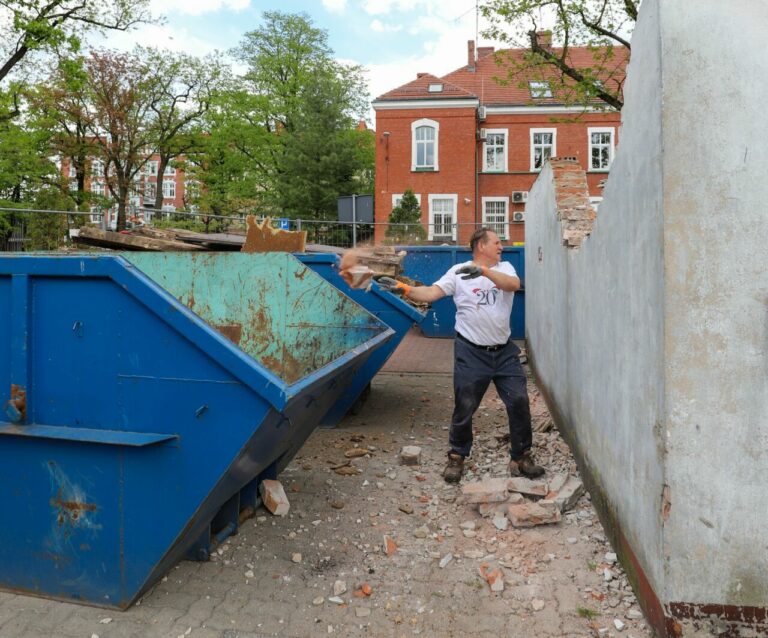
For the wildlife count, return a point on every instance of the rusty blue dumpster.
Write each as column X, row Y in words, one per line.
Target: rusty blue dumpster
column 143, row 403
column 391, row 309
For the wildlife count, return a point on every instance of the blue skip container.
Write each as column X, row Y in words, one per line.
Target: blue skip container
column 428, row 263
column 144, row 402
column 389, row 308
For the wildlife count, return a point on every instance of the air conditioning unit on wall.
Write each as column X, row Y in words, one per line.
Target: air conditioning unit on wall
column 519, row 196
column 518, row 216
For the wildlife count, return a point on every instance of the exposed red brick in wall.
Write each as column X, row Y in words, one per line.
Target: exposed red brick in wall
column 574, row 210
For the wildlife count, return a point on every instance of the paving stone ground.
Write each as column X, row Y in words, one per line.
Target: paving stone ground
column 256, row 584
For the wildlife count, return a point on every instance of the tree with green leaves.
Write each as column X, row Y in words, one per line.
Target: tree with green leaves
column 120, row 93
column 186, row 86
column 405, row 225
column 602, row 26
column 28, row 26
column 303, row 106
column 58, row 106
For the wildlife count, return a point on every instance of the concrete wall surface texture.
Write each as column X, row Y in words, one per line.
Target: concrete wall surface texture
column 651, row 339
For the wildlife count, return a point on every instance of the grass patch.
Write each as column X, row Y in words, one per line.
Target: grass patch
column 586, row 612
column 592, row 565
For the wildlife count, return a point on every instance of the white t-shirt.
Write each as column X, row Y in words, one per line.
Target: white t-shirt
column 482, row 310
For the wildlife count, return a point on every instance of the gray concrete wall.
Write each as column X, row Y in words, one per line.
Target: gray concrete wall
column 651, row 339
column 594, row 315
column 716, row 289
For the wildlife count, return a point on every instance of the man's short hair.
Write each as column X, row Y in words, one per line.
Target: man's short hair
column 480, row 236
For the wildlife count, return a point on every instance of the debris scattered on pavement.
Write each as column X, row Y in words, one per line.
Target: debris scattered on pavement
column 274, row 498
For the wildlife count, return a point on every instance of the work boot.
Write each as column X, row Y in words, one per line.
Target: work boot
column 454, row 469
column 525, row 466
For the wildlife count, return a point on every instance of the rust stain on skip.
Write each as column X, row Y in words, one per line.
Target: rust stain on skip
column 71, row 510
column 19, row 400
column 232, row 331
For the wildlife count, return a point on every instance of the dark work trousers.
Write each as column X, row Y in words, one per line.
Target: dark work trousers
column 473, row 370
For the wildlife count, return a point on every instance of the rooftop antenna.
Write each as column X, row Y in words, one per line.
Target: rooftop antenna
column 477, row 26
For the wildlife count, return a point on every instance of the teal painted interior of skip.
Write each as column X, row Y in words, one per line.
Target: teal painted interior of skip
column 270, row 305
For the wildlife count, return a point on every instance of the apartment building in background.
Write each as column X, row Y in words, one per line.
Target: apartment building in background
column 141, row 201
column 470, row 147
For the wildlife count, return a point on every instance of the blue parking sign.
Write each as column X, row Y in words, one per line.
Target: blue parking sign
column 283, row 223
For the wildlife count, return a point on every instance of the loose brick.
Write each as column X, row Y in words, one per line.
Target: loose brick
column 389, row 546
column 569, row 494
column 555, row 485
column 274, row 498
column 489, row 491
column 410, row 455
column 523, row 485
column 494, row 577
column 532, row 514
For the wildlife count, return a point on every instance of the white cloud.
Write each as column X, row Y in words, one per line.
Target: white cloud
column 335, row 6
column 198, row 7
column 381, row 7
column 443, row 32
column 378, row 26
column 157, row 36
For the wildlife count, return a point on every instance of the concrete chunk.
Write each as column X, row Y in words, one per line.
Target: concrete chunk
column 274, row 498
column 488, row 491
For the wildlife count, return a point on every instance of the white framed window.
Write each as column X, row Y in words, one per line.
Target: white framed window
column 495, row 150
column 543, row 146
column 496, row 215
column 442, row 216
column 98, row 188
column 169, row 170
column 425, row 137
column 396, row 197
column 540, row 89
column 601, row 147
column 72, row 169
column 169, row 189
column 97, row 168
column 150, row 168
column 150, row 191
column 73, row 185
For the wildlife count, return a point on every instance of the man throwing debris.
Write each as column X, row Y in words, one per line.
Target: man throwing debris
column 483, row 290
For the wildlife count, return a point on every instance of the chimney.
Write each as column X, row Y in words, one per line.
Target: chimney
column 483, row 51
column 470, row 55
column 544, row 38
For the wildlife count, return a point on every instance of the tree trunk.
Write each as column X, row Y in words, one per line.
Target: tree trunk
column 161, row 164
column 122, row 202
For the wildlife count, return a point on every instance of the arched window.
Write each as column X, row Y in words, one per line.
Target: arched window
column 425, row 140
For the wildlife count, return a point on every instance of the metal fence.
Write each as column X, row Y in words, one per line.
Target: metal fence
column 16, row 235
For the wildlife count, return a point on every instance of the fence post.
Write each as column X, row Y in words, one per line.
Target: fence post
column 354, row 222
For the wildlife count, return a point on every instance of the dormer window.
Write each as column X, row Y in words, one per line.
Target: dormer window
column 435, row 88
column 540, row 89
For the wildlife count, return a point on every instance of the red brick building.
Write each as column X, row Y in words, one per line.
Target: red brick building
column 470, row 148
column 143, row 190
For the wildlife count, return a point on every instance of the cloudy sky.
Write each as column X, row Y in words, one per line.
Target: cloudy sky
column 392, row 39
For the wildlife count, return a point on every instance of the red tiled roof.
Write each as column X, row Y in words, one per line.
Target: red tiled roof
column 482, row 83
column 419, row 89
